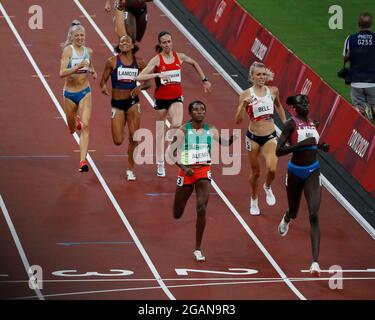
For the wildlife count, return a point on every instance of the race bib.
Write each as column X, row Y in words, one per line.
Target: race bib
column 261, row 109
column 126, row 74
column 174, row 75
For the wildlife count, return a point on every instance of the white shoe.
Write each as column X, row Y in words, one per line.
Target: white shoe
column 130, row 175
column 198, row 256
column 315, row 269
column 283, row 227
column 254, row 209
column 270, row 198
column 161, row 170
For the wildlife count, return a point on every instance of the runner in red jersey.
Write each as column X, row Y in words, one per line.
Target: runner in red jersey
column 166, row 68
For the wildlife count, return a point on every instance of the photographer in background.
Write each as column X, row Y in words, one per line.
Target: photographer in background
column 359, row 50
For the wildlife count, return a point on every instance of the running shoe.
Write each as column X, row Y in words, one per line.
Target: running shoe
column 130, row 175
column 83, row 166
column 161, row 170
column 78, row 122
column 254, row 209
column 198, row 256
column 315, row 269
column 283, row 227
column 270, row 198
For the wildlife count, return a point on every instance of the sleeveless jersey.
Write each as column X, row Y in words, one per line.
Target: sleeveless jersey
column 303, row 131
column 262, row 107
column 123, row 76
column 76, row 59
column 172, row 89
column 197, row 147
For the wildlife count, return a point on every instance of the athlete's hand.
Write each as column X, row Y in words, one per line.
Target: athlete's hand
column 136, row 91
column 324, row 146
column 247, row 101
column 94, row 74
column 188, row 171
column 207, row 86
column 107, row 6
column 164, row 78
column 83, row 64
column 105, row 90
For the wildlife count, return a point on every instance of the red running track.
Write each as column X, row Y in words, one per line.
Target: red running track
column 67, row 221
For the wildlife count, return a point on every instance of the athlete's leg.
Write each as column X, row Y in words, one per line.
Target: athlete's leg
column 312, row 192
column 181, row 197
column 84, row 110
column 201, row 188
column 70, row 109
column 177, row 113
column 255, row 168
column 118, row 124
column 294, row 187
column 141, row 25
column 160, row 129
column 130, row 24
column 269, row 154
column 120, row 23
column 133, row 118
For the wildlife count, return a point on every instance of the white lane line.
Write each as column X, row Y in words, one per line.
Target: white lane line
column 295, row 279
column 265, row 280
column 258, row 243
column 92, row 164
column 17, row 240
column 331, row 189
column 339, row 271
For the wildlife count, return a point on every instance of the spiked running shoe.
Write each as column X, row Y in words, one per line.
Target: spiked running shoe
column 83, row 166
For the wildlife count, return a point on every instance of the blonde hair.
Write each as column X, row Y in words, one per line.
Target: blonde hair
column 256, row 64
column 74, row 26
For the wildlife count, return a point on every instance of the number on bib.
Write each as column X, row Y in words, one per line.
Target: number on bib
column 180, row 181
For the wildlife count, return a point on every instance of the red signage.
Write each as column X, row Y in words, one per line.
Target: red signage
column 349, row 134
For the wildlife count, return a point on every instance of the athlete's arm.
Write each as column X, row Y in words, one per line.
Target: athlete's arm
column 108, row 68
column 241, row 107
column 91, row 67
column 279, row 108
column 288, row 128
column 145, row 84
column 206, row 84
column 174, row 150
column 64, row 70
column 148, row 72
column 218, row 138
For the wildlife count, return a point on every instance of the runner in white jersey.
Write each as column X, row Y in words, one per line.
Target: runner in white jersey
column 260, row 101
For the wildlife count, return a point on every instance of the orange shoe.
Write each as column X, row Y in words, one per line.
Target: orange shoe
column 83, row 166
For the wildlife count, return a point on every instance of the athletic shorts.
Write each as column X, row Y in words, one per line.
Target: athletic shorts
column 303, row 172
column 76, row 97
column 124, row 104
column 161, row 104
column 260, row 140
column 199, row 174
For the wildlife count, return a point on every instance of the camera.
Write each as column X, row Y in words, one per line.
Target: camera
column 344, row 74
